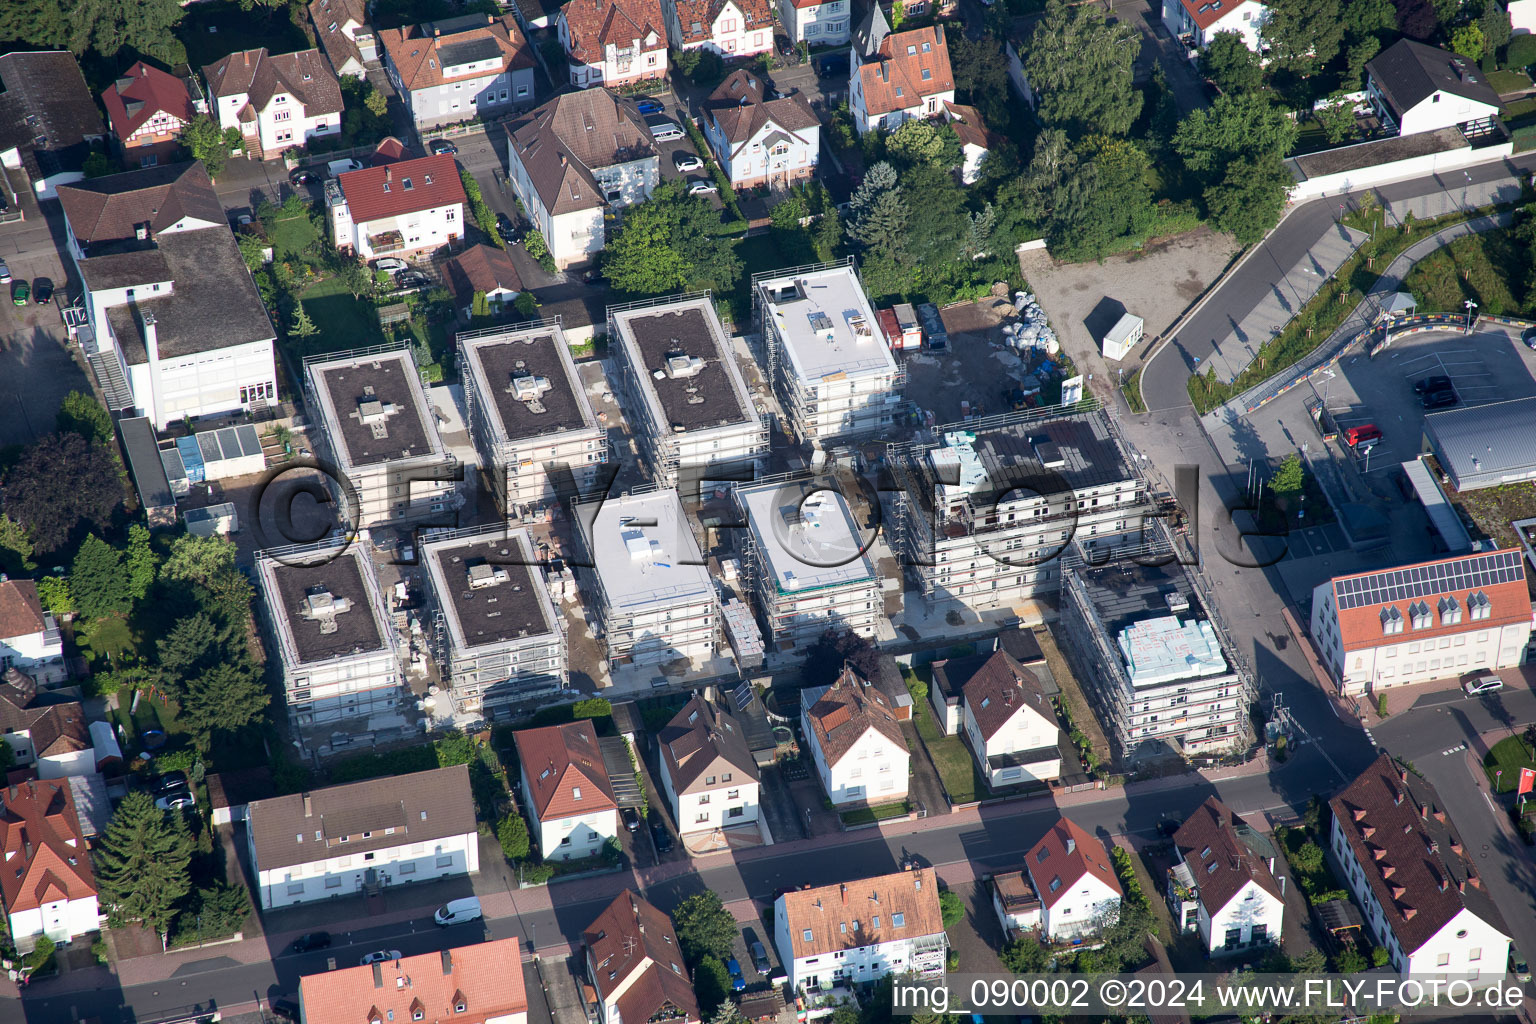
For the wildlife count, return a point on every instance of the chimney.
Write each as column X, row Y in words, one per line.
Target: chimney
column 447, row 961
column 436, row 32
column 1444, row 885
column 389, row 174
column 309, row 806
column 1461, row 886
column 151, row 339
column 1423, row 810
column 1402, row 774
column 247, row 56
column 844, row 888
column 378, row 974
column 1071, row 845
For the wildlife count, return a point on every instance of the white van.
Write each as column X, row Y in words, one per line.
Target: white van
column 459, row 911
column 340, row 167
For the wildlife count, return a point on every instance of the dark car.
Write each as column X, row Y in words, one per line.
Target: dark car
column 660, row 835
column 831, row 67
column 170, row 781
column 649, row 106
column 285, row 1009
column 631, row 819
column 310, row 942
column 760, row 958
column 442, row 147
column 42, row 291
column 1442, row 399
column 299, row 176
column 506, row 229
column 412, row 279
column 1439, row 382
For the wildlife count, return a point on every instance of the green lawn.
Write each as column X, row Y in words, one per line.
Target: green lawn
column 290, row 236
column 345, row 322
column 757, row 253
column 1508, row 755
column 866, row 815
column 236, row 30
column 1519, row 109
column 1509, row 81
column 1486, row 268
column 952, row 758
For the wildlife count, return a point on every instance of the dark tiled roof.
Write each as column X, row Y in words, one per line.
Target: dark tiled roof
column 21, row 613
column 109, row 209
column 998, row 689
column 338, row 46
column 702, row 740
column 420, row 807
column 739, row 106
column 846, row 712
column 480, row 268
column 633, row 950
column 1395, row 825
column 303, row 75
column 562, row 142
column 1408, row 72
column 47, row 110
column 55, row 727
column 239, row 787
column 1221, row 863
column 407, row 186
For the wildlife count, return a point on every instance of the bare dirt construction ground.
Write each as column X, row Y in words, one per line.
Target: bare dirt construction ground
column 976, row 367
column 1158, row 283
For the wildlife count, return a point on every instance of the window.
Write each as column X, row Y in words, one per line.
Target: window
column 806, row 935
column 733, row 794
column 704, row 799
column 1476, row 953
column 1042, row 855
column 1444, row 958
column 296, row 889
column 575, row 792
column 703, row 816
column 874, row 922
column 445, row 861
column 332, row 882
column 898, row 920
column 406, row 868
column 709, row 780
column 459, row 1007
column 725, row 777
column 417, row 1014
column 1055, row 883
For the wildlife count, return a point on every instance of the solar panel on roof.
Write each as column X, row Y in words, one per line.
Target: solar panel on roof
column 742, row 695
column 1394, row 585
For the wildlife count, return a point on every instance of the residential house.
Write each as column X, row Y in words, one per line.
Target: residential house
column 1079, row 891
column 976, row 139
column 760, row 141
column 707, row 770
column 573, row 158
column 475, row 984
column 570, row 801
column 49, row 123
column 1016, row 903
column 344, row 35
column 404, row 208
column 857, row 744
column 1420, row 890
column 45, row 732
column 176, row 328
column 613, row 42
column 231, row 793
column 636, row 966
column 363, row 836
column 907, row 76
column 1222, row 882
column 148, row 109
column 29, row 637
column 277, row 102
column 861, row 930
column 1010, row 724
column 482, row 270
column 1194, row 23
column 327, row 627
column 731, row 28
column 1429, row 620
column 1420, row 88
column 816, row 22
column 46, row 887
column 534, row 15
column 459, row 69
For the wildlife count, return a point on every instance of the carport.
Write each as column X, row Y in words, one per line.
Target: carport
column 621, row 772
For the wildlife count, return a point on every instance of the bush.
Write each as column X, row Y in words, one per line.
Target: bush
column 951, row 908
column 592, row 707
column 512, row 833
column 538, row 251
column 41, row 954
column 1521, row 52
column 535, row 874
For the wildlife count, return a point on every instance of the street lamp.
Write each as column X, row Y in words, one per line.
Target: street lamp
column 1470, row 307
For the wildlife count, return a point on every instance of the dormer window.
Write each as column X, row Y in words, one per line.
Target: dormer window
column 911, row 51
column 407, row 183
column 1478, row 606
column 1450, row 611
column 1419, row 611
column 1391, row 620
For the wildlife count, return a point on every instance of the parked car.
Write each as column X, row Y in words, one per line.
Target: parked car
column 660, row 835
column 1517, row 965
column 379, row 956
column 831, row 67
column 649, row 106
column 1365, row 433
column 1441, row 399
column 20, row 293
column 176, row 800
column 42, row 291
column 171, row 781
column 342, row 166
column 1529, row 337
column 685, row 161
column 663, row 130
column 1481, row 684
column 1438, row 382
column 285, row 1009
column 459, row 911
column 506, row 229
column 311, row 941
column 299, row 176
column 631, row 819
column 5, row 273
column 702, row 188
column 389, row 265
column 412, row 279
column 737, row 981
column 442, row 147
column 760, row 958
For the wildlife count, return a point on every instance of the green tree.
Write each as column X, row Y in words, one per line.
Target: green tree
column 376, row 102
column 1303, row 35
column 1467, row 40
column 1360, row 54
column 711, row 984
column 671, row 242
column 186, row 649
column 1494, row 24
column 207, row 142
column 1349, row 961
column 1082, row 68
column 15, row 546
column 1369, row 17
column 592, row 707
column 878, row 213
column 81, row 414
column 53, row 595
column 512, row 833
column 704, row 927
column 1310, row 961
column 1248, row 201
column 99, row 581
column 918, row 142
column 200, row 560
column 1242, row 126
column 216, row 910
column 140, row 561
column 1229, row 63
column 951, row 908
column 981, row 75
column 143, row 863
column 253, row 251
column 728, row 1013
column 480, row 306
column 1308, row 858
column 1337, row 117
column 302, row 327
column 226, row 697
column 96, row 165
column 1025, row 955
column 1289, row 476
column 42, row 24
column 115, row 26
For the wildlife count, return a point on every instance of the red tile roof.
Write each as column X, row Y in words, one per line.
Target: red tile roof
column 696, row 18
column 559, row 760
column 330, row 19
column 486, row 979
column 970, row 128
column 142, row 93
column 593, row 24
column 894, row 80
column 418, row 58
column 1361, row 627
column 632, row 946
column 999, row 689
column 21, row 613
column 425, row 183
column 741, row 110
column 849, row 709
column 480, row 268
column 1221, row 863
column 825, row 910
column 1067, row 852
column 1206, row 13
column 44, row 852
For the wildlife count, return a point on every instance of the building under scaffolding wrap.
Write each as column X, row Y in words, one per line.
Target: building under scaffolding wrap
column 982, row 514
column 1153, row 658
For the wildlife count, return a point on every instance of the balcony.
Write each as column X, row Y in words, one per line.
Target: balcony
column 823, row 1001
column 386, row 242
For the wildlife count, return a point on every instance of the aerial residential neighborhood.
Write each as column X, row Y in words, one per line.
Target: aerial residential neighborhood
column 729, row 511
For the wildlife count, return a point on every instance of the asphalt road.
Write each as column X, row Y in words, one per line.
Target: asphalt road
column 1163, row 380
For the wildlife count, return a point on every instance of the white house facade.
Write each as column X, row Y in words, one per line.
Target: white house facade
column 758, row 140
column 1010, row 724
column 613, row 42
column 1196, row 22
column 570, row 800
column 856, row 743
column 459, row 69
column 46, row 883
column 275, row 102
column 1079, row 891
column 817, row 22
column 707, row 771
column 1420, row 88
column 730, row 28
column 907, row 77
column 1222, row 883
column 401, row 209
